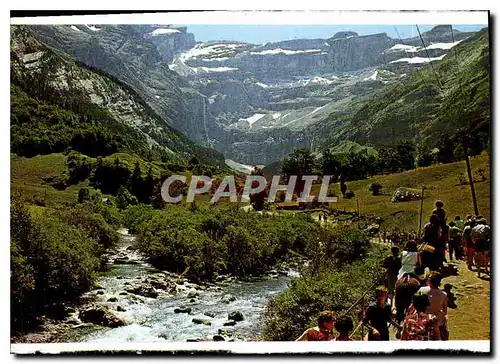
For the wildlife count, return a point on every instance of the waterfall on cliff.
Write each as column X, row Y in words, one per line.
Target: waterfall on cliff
column 205, row 117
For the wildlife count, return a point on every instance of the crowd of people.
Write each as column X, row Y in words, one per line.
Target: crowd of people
column 411, row 299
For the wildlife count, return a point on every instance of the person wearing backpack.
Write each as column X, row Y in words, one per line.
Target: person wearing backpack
column 454, row 241
column 420, row 326
column 480, row 235
column 470, row 248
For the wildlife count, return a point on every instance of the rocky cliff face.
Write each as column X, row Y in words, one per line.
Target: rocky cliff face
column 125, row 52
column 252, row 102
column 33, row 61
column 168, row 40
column 263, row 97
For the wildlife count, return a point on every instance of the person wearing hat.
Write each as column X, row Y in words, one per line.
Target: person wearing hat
column 322, row 332
column 378, row 316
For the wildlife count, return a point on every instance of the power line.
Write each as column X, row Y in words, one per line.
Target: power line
column 454, row 51
column 429, row 58
column 406, row 51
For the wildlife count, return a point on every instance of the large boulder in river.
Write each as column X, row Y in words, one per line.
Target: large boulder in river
column 192, row 293
column 101, row 316
column 146, row 291
column 236, row 316
column 201, row 321
column 228, row 298
column 182, row 310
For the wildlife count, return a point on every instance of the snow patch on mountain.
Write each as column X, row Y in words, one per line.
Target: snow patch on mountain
column 403, row 47
column 214, row 69
column 252, row 119
column 161, row 31
column 286, row 51
column 373, row 77
column 415, row 60
column 443, row 45
column 213, row 50
column 318, row 109
column 243, row 168
column 92, row 27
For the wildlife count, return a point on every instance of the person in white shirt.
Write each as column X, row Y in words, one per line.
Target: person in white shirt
column 410, row 259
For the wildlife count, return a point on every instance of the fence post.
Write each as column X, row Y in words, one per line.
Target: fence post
column 421, row 212
column 362, row 317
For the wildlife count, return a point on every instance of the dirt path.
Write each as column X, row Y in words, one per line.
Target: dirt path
column 471, row 319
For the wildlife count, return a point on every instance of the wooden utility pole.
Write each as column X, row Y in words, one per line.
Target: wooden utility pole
column 471, row 182
column 421, row 211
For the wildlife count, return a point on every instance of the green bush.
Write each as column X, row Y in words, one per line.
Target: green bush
column 220, row 240
column 333, row 287
column 375, row 188
column 55, row 256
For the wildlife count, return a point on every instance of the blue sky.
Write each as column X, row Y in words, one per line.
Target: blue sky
column 271, row 33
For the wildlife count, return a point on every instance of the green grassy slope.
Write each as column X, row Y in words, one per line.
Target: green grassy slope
column 444, row 97
column 441, row 182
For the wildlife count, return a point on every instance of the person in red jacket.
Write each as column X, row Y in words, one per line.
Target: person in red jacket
column 322, row 332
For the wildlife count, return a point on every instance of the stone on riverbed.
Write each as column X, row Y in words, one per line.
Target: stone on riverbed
column 120, row 308
column 228, row 298
column 225, row 332
column 229, row 323
column 218, row 338
column 101, row 316
column 183, row 310
column 192, row 293
column 236, row 316
column 143, row 291
column 210, row 314
column 112, row 299
column 201, row 321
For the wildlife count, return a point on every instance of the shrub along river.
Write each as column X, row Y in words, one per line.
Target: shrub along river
column 134, row 302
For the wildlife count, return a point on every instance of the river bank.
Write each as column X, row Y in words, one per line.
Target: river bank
column 134, row 302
